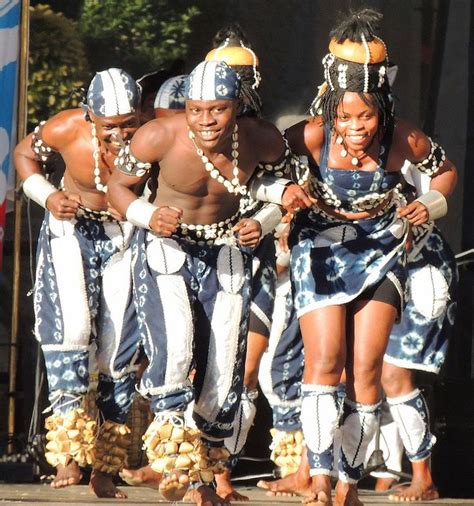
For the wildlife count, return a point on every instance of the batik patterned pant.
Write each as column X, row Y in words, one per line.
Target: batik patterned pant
column 193, row 304
column 83, row 301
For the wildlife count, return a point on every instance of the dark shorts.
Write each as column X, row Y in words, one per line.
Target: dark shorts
column 383, row 291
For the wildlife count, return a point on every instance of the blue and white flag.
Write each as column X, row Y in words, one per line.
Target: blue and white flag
column 9, row 56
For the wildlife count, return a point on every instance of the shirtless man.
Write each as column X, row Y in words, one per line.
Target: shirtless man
column 83, row 284
column 192, row 273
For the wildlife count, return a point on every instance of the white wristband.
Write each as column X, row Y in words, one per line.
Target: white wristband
column 268, row 216
column 38, row 188
column 268, row 188
column 139, row 213
column 435, row 202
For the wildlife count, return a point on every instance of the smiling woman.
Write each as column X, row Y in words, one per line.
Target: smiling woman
column 352, row 290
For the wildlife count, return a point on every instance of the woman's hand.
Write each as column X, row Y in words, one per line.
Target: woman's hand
column 295, row 198
column 416, row 213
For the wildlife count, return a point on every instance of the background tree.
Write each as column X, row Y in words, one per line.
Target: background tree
column 57, row 64
column 138, row 35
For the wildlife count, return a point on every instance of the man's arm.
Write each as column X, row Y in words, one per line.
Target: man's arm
column 133, row 165
column 272, row 182
column 53, row 135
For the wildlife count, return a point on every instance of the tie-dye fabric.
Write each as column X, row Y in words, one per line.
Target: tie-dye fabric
column 113, row 92
column 193, row 305
column 281, row 368
column 82, row 296
column 263, row 286
column 212, row 80
column 333, row 261
column 420, row 339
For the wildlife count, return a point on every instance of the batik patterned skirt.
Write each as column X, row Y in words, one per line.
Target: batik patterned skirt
column 333, row 261
column 420, row 339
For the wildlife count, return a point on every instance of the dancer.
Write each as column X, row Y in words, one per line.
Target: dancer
column 419, row 342
column 192, row 282
column 83, row 293
column 232, row 47
column 348, row 251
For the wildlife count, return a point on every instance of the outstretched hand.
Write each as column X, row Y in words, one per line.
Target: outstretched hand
column 63, row 205
column 295, row 198
column 249, row 232
column 415, row 212
column 165, row 220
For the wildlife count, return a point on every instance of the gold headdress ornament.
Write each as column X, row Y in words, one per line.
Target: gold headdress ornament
column 233, row 55
column 236, row 54
column 359, row 52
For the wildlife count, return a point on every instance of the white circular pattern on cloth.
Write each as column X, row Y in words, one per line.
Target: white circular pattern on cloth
column 165, row 255
column 230, row 269
column 429, row 291
column 335, row 235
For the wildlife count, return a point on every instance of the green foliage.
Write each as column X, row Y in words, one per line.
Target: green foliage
column 57, row 64
column 137, row 35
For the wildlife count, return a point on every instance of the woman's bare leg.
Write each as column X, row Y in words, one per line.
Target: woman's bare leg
column 369, row 327
column 324, row 337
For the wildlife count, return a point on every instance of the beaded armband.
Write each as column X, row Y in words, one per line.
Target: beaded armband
column 39, row 147
column 287, row 448
column 128, row 164
column 279, row 168
column 300, row 169
column 111, row 447
column 434, row 161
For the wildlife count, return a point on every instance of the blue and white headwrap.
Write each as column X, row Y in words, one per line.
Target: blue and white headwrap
column 171, row 93
column 112, row 92
column 213, row 80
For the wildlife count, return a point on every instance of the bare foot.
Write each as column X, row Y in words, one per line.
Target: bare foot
column 67, row 475
column 225, row 489
column 173, row 486
column 346, row 495
column 416, row 491
column 384, row 484
column 205, row 496
column 102, row 485
column 293, row 484
column 143, row 477
column 320, row 491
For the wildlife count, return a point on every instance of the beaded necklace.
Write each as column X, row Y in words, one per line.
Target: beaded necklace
column 98, row 182
column 355, row 160
column 233, row 185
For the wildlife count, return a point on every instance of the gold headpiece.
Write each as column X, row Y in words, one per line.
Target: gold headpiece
column 233, row 55
column 359, row 52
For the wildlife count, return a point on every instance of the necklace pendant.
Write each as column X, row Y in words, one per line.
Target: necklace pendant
column 343, row 152
column 339, row 139
column 355, row 161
